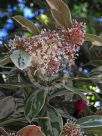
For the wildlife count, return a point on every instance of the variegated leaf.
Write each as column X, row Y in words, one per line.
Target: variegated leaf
column 5, row 61
column 92, row 38
column 76, row 91
column 54, row 124
column 34, row 104
column 60, row 12
column 91, row 124
column 90, row 121
column 27, row 24
column 59, row 18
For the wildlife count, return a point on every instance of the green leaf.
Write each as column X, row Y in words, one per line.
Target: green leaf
column 21, row 59
column 19, row 105
column 5, row 61
column 15, row 85
column 94, row 130
column 7, row 107
column 34, row 104
column 96, row 71
column 95, row 63
column 54, row 124
column 92, row 124
column 60, row 12
column 27, row 24
column 96, row 75
column 11, row 120
column 90, row 121
column 93, row 52
column 92, row 38
column 59, row 90
column 76, row 91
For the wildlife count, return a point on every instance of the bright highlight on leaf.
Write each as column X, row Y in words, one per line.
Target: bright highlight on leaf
column 5, row 61
column 34, row 104
column 93, row 38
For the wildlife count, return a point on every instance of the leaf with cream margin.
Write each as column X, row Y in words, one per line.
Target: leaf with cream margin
column 76, row 91
column 34, row 104
column 30, row 130
column 54, row 124
column 60, row 12
column 5, row 60
column 91, row 124
column 96, row 43
column 92, row 38
column 27, row 24
column 21, row 59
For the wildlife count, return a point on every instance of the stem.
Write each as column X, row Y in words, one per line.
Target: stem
column 3, row 131
column 36, row 84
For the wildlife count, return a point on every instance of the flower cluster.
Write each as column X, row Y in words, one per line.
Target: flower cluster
column 71, row 129
column 72, row 39
column 50, row 48
column 44, row 49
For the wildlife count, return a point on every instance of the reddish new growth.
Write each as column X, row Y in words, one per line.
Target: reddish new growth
column 49, row 48
column 71, row 129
